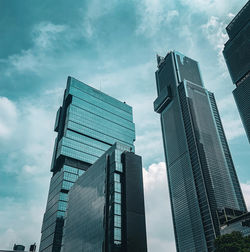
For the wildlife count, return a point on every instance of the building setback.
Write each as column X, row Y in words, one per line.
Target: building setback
column 237, row 55
column 106, row 206
column 201, row 174
column 88, row 124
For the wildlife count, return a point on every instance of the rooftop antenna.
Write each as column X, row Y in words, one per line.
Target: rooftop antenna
column 160, row 59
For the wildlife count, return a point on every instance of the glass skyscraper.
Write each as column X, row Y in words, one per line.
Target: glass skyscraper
column 88, row 124
column 237, row 56
column 203, row 185
column 106, row 206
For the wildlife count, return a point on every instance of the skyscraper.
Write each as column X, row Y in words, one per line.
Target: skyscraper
column 237, row 56
column 106, row 206
column 88, row 124
column 203, row 184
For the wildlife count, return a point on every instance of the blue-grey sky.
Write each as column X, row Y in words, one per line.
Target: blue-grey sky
column 110, row 45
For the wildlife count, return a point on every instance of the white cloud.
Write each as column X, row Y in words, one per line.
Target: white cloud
column 231, row 121
column 25, row 61
column 31, row 129
column 213, row 7
column 160, row 232
column 95, row 10
column 8, row 116
column 20, row 222
column 231, row 15
column 215, row 32
column 171, row 15
column 45, row 33
column 27, row 155
column 38, row 56
column 154, row 15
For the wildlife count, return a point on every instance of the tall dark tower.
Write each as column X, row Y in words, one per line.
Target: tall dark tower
column 203, row 185
column 106, row 206
column 237, row 56
column 88, row 124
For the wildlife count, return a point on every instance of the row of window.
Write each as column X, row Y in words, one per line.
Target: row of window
column 103, row 113
column 74, row 90
column 62, row 205
column 103, row 126
column 70, row 176
column 77, row 155
column 95, row 134
column 117, row 209
column 70, row 169
column 81, row 147
column 87, row 140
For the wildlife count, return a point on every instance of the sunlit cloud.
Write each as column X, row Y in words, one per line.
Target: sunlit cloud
column 111, row 46
column 8, row 117
column 158, row 213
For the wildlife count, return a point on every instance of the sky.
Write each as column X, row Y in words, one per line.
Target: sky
column 112, row 46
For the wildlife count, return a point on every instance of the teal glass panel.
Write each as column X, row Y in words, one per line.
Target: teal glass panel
column 70, row 169
column 117, row 209
column 117, row 186
column 117, row 197
column 117, row 221
column 117, row 234
column 70, row 176
column 63, row 196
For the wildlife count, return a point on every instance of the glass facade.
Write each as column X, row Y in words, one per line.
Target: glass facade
column 97, row 211
column 88, row 123
column 201, row 174
column 237, row 55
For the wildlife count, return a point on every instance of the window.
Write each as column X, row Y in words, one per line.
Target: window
column 62, row 205
column 81, row 172
column 117, row 177
column 118, row 166
column 117, row 209
column 117, row 221
column 63, row 196
column 70, row 176
column 117, row 234
column 67, row 185
column 60, row 214
column 117, row 197
column 117, row 187
column 70, row 169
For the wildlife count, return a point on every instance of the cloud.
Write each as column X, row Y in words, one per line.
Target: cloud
column 212, row 7
column 230, row 117
column 45, row 38
column 154, row 15
column 96, row 48
column 8, row 116
column 25, row 167
column 160, row 234
column 31, row 128
column 95, row 10
column 215, row 32
column 20, row 222
column 45, row 33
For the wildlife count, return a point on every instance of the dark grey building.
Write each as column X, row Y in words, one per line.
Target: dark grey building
column 106, row 206
column 201, row 174
column 88, row 124
column 237, row 56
